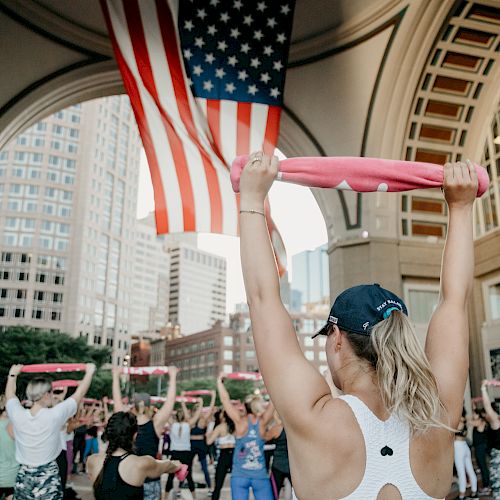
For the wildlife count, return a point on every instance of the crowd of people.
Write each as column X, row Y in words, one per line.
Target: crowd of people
column 384, row 424
column 125, row 450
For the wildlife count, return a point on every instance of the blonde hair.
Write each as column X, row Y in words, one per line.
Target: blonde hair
column 37, row 388
column 407, row 385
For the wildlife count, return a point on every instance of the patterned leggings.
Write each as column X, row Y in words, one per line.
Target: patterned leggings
column 495, row 473
column 41, row 482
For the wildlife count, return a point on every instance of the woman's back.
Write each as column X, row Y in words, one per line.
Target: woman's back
column 113, row 486
column 336, row 437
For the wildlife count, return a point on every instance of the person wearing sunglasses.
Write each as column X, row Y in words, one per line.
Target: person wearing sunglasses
column 390, row 434
column 37, row 432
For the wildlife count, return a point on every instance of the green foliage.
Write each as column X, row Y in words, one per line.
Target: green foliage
column 101, row 385
column 23, row 345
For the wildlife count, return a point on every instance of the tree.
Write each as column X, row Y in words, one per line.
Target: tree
column 24, row 345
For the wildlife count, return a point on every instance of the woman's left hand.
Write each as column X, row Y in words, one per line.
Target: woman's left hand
column 257, row 178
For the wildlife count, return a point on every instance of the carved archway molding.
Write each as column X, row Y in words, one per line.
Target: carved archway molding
column 89, row 82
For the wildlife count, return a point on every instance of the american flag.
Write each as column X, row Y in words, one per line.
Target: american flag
column 206, row 80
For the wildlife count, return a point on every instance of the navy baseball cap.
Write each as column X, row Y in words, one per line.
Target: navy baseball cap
column 359, row 308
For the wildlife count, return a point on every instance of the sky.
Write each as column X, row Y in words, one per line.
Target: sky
column 293, row 208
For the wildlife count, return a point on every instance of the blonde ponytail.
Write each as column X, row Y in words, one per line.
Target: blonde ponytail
column 407, row 385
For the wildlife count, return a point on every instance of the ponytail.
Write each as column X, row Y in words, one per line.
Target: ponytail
column 407, row 385
column 120, row 432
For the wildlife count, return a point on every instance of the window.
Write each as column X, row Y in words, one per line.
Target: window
column 3, row 312
column 494, row 300
column 22, row 276
column 228, row 368
column 309, row 355
column 228, row 341
column 57, row 129
column 7, row 257
column 49, row 208
column 41, row 277
column 41, row 126
column 308, row 341
column 322, row 356
column 37, row 314
column 57, row 297
column 56, row 316
column 21, row 294
column 73, row 132
column 228, row 355
column 39, row 295
column 422, row 304
column 249, row 354
column 19, row 312
column 4, row 293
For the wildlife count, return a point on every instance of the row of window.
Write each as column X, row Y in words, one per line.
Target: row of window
column 46, row 226
column 38, row 295
column 42, row 242
column 55, row 209
column 20, row 312
column 32, row 190
column 49, row 278
column 39, row 142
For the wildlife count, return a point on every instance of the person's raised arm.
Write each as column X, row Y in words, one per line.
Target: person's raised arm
column 294, row 385
column 447, row 343
column 197, row 412
column 185, row 410
column 212, row 437
column 84, row 385
column 229, row 408
column 153, row 468
column 493, row 416
column 117, row 393
column 10, row 388
column 268, row 414
column 161, row 418
column 212, row 404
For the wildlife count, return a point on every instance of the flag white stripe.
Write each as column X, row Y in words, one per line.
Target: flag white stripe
column 228, row 129
column 167, row 98
column 258, row 121
column 158, row 134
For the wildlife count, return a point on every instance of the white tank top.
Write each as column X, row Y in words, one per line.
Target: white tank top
column 180, row 437
column 227, row 440
column 382, row 469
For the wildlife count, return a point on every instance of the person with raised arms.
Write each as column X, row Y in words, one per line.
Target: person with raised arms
column 390, row 435
column 223, row 435
column 249, row 463
column 149, row 430
column 198, row 436
column 37, row 433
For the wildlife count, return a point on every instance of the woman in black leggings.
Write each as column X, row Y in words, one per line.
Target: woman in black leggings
column 223, row 435
column 480, row 443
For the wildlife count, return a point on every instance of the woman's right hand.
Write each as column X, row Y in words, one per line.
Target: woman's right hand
column 460, row 184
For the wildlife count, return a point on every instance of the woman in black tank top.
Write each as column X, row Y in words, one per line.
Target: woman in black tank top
column 109, row 484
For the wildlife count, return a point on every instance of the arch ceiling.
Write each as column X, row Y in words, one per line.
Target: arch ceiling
column 395, row 78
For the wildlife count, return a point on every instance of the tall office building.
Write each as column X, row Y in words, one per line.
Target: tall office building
column 68, row 194
column 197, row 288
column 311, row 275
column 151, row 280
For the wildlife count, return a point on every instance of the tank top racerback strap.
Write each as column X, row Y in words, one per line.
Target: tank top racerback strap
column 387, row 445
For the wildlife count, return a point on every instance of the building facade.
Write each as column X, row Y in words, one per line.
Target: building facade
column 311, row 275
column 231, row 349
column 197, row 288
column 68, row 194
column 149, row 306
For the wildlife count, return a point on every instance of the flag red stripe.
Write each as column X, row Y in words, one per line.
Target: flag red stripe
column 133, row 16
column 272, row 129
column 213, row 118
column 243, row 128
column 167, row 28
column 161, row 213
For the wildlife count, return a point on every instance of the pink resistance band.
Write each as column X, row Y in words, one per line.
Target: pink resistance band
column 358, row 174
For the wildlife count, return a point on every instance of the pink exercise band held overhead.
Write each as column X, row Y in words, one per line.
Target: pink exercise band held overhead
column 359, row 174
